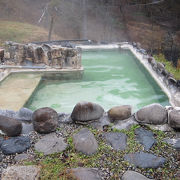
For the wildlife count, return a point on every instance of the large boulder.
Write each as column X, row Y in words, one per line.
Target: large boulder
column 119, row 113
column 174, row 119
column 152, row 114
column 21, row 173
column 45, row 120
column 15, row 145
column 85, row 142
column 84, row 112
column 10, row 126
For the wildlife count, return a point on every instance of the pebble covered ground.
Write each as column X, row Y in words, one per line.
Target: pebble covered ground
column 110, row 162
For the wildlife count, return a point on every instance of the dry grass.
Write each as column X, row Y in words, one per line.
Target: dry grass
column 22, row 32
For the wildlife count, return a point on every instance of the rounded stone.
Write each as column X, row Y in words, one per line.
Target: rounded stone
column 50, row 144
column 144, row 160
column 136, row 176
column 15, row 145
column 152, row 114
column 153, row 62
column 25, row 114
column 160, row 66
column 85, row 142
column 86, row 111
column 176, row 99
column 84, row 174
column 21, row 157
column 150, row 59
column 174, row 119
column 45, row 120
column 10, row 126
column 21, row 173
column 119, row 112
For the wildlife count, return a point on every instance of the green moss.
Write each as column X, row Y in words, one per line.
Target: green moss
column 168, row 65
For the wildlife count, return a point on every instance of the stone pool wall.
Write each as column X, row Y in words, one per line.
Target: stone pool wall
column 47, row 132
column 54, row 56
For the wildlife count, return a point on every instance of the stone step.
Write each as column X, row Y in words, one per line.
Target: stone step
column 16, row 90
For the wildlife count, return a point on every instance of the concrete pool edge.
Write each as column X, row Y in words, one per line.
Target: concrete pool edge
column 155, row 76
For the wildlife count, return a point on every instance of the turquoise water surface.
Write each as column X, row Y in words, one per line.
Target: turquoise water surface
column 111, row 78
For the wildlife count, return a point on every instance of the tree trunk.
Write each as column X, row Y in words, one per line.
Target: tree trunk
column 51, row 28
column 84, row 20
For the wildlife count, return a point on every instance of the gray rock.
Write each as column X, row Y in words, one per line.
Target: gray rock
column 117, row 140
column 153, row 62
column 21, row 173
column 175, row 143
column 176, row 99
column 177, row 134
column 22, row 157
column 132, row 175
column 50, row 144
column 149, row 59
column 85, row 142
column 152, row 114
column 145, row 160
column 119, row 113
column 1, row 158
column 103, row 121
column 15, row 145
column 45, row 120
column 125, row 124
column 164, row 127
column 27, row 128
column 64, row 118
column 160, row 67
column 8, row 113
column 145, row 138
column 164, row 72
column 84, row 174
column 174, row 119
column 1, row 141
column 86, row 111
column 10, row 126
column 172, row 81
column 25, row 114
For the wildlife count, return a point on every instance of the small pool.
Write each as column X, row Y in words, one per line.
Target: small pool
column 111, row 78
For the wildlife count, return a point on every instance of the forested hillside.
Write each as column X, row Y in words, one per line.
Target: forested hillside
column 155, row 24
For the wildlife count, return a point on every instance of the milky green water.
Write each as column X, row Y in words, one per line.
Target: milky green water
column 111, row 78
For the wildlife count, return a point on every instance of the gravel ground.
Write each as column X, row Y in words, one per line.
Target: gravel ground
column 108, row 161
